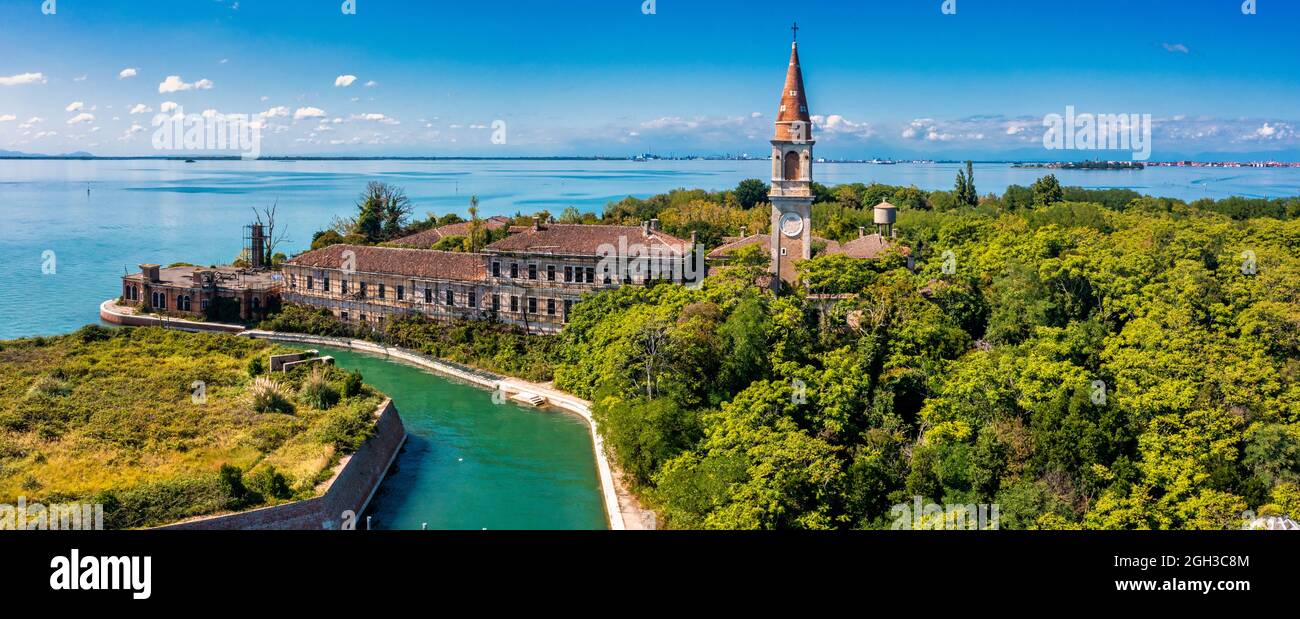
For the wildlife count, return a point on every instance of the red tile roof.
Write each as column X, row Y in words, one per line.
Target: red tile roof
column 423, row 263
column 579, row 239
column 869, row 247
column 429, row 238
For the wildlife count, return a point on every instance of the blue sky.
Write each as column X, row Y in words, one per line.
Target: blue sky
column 894, row 78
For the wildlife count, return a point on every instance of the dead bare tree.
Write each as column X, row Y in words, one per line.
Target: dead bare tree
column 274, row 235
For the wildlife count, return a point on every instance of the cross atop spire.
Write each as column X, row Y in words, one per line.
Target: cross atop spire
column 795, row 29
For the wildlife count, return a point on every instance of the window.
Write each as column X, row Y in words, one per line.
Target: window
column 383, row 290
column 325, row 283
column 158, row 300
column 591, row 275
column 550, row 272
column 568, row 274
column 203, row 306
column 514, row 304
column 343, row 287
column 451, row 297
column 428, row 295
column 472, row 299
column 363, row 318
column 532, row 271
column 496, row 302
column 550, row 307
column 514, row 270
column 401, row 293
column 532, row 305
column 568, row 309
column 363, row 290
column 496, row 269
column 309, row 283
column 343, row 315
column 183, row 303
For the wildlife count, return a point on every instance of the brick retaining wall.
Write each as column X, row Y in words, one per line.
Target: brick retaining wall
column 356, row 479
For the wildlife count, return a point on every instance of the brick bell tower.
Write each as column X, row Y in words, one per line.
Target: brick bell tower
column 791, row 193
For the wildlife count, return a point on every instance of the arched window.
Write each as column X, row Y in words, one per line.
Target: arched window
column 792, row 166
column 183, row 303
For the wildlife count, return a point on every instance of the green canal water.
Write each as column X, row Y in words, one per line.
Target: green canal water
column 471, row 464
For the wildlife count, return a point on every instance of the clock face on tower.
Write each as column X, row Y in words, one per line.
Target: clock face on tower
column 791, row 224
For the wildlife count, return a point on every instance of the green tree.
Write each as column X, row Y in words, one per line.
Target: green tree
column 751, row 192
column 1047, row 190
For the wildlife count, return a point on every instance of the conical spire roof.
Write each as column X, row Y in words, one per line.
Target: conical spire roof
column 794, row 103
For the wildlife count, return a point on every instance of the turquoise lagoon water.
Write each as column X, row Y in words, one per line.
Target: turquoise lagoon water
column 470, row 464
column 171, row 211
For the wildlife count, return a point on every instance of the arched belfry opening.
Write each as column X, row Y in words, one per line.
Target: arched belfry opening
column 793, row 166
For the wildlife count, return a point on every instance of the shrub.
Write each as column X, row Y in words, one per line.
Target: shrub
column 270, row 396
column 316, row 390
column 269, row 483
column 352, row 384
column 49, row 387
column 256, row 367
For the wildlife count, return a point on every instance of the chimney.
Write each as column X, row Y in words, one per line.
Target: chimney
column 654, row 224
column 744, row 232
column 257, row 252
column 537, row 224
column 862, row 231
column 150, row 273
column 645, row 228
column 692, row 238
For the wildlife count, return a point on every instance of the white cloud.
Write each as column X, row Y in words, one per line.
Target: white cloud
column 74, row 106
column 308, row 112
column 4, row 118
column 1177, row 48
column 81, row 79
column 376, row 117
column 168, row 106
column 128, row 72
column 343, row 81
column 141, row 108
column 31, row 122
column 174, row 83
column 276, row 112
column 22, row 79
column 211, row 113
column 371, row 84
column 81, row 118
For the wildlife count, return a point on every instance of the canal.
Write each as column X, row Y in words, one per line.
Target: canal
column 471, row 464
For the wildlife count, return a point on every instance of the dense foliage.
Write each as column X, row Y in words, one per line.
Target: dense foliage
column 1080, row 358
column 488, row 345
column 160, row 425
